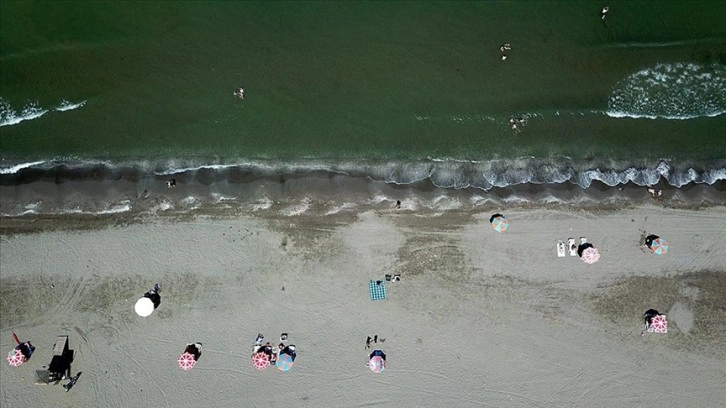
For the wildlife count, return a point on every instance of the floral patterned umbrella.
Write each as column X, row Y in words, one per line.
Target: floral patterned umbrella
column 590, row 255
column 377, row 364
column 16, row 358
column 186, row 361
column 659, row 324
column 260, row 360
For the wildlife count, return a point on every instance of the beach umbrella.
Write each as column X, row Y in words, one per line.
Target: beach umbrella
column 284, row 362
column 499, row 222
column 659, row 324
column 260, row 360
column 144, row 307
column 186, row 361
column 377, row 364
column 590, row 255
column 659, row 246
column 16, row 357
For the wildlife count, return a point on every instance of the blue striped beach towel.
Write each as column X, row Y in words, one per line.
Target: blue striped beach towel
column 377, row 289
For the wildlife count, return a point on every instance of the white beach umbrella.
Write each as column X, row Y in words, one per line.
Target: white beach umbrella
column 144, row 307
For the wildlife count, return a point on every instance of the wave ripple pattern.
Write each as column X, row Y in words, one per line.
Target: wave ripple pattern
column 671, row 91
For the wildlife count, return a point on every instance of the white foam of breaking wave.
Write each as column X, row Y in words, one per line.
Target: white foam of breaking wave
column 163, row 206
column 443, row 173
column 379, row 198
column 191, row 202
column 445, row 203
column 339, row 208
column 477, row 200
column 122, row 207
column 114, row 209
column 33, row 206
column 173, row 170
column 18, row 167
column 677, row 91
column 9, row 116
column 515, row 200
column 297, row 209
column 262, row 204
column 66, row 106
column 218, row 198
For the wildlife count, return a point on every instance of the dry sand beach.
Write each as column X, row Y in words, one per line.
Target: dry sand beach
column 479, row 319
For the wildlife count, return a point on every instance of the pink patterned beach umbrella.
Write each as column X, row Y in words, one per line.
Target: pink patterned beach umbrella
column 377, row 364
column 590, row 255
column 15, row 358
column 186, row 361
column 659, row 324
column 260, row 360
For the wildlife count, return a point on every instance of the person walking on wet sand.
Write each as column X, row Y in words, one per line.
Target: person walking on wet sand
column 368, row 342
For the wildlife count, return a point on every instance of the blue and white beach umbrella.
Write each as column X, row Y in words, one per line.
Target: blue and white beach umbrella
column 659, row 246
column 499, row 222
column 284, row 362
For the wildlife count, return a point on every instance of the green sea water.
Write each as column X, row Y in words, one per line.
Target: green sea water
column 351, row 80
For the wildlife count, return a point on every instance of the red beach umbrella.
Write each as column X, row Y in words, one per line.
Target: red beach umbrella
column 15, row 358
column 260, row 360
column 186, row 361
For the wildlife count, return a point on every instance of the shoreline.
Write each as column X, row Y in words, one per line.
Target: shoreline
column 31, row 194
column 164, row 209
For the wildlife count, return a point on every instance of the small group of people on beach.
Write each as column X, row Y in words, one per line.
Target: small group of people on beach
column 656, row 194
column 273, row 352
column 375, row 339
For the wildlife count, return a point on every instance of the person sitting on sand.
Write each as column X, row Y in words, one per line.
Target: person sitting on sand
column 656, row 194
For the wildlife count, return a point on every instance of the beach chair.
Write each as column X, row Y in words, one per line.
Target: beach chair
column 571, row 246
column 60, row 365
column 583, row 240
column 377, row 289
column 560, row 249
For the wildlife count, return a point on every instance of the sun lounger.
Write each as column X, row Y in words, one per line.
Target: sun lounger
column 571, row 246
column 560, row 249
